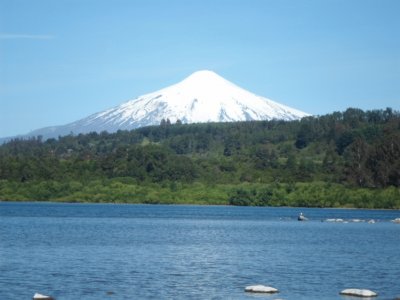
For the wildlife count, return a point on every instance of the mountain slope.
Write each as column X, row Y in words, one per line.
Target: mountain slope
column 204, row 96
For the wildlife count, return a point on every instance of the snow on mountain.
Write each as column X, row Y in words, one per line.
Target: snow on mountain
column 204, row 96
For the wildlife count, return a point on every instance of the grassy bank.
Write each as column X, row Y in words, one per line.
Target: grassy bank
column 126, row 190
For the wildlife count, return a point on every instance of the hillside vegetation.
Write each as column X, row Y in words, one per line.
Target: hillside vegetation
column 343, row 159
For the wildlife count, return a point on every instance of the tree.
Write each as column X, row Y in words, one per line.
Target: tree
column 356, row 156
column 291, row 163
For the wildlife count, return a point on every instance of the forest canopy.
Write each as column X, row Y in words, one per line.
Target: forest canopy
column 343, row 159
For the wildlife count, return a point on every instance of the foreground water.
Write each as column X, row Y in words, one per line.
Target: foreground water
column 95, row 251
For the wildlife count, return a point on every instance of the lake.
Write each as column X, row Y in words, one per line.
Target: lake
column 112, row 251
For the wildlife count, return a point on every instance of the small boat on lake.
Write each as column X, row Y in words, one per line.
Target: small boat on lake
column 301, row 217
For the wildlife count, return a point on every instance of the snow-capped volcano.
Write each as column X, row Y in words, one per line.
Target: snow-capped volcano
column 204, row 96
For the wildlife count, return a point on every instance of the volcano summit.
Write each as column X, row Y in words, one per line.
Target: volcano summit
column 204, row 96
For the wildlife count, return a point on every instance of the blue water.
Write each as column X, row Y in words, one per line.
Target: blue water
column 96, row 251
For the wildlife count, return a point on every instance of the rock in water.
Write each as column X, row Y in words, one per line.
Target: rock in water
column 38, row 296
column 335, row 220
column 358, row 293
column 260, row 289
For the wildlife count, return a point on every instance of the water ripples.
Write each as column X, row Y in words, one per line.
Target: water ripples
column 184, row 252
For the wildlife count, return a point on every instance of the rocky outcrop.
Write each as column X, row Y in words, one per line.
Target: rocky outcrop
column 38, row 296
column 260, row 289
column 334, row 220
column 358, row 293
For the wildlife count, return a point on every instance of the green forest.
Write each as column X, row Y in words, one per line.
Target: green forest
column 344, row 159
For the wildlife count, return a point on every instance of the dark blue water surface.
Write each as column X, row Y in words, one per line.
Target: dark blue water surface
column 108, row 251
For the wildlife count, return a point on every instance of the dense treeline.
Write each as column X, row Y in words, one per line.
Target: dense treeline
column 341, row 159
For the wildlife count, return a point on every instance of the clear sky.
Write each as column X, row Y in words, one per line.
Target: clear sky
column 61, row 60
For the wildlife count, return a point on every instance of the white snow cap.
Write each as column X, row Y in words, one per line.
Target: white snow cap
column 202, row 97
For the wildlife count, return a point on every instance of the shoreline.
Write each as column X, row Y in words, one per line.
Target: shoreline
column 190, row 204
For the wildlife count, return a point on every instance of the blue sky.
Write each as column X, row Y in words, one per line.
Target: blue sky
column 63, row 60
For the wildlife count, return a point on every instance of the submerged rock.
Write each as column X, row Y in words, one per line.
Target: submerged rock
column 357, row 220
column 334, row 220
column 38, row 296
column 358, row 293
column 260, row 289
